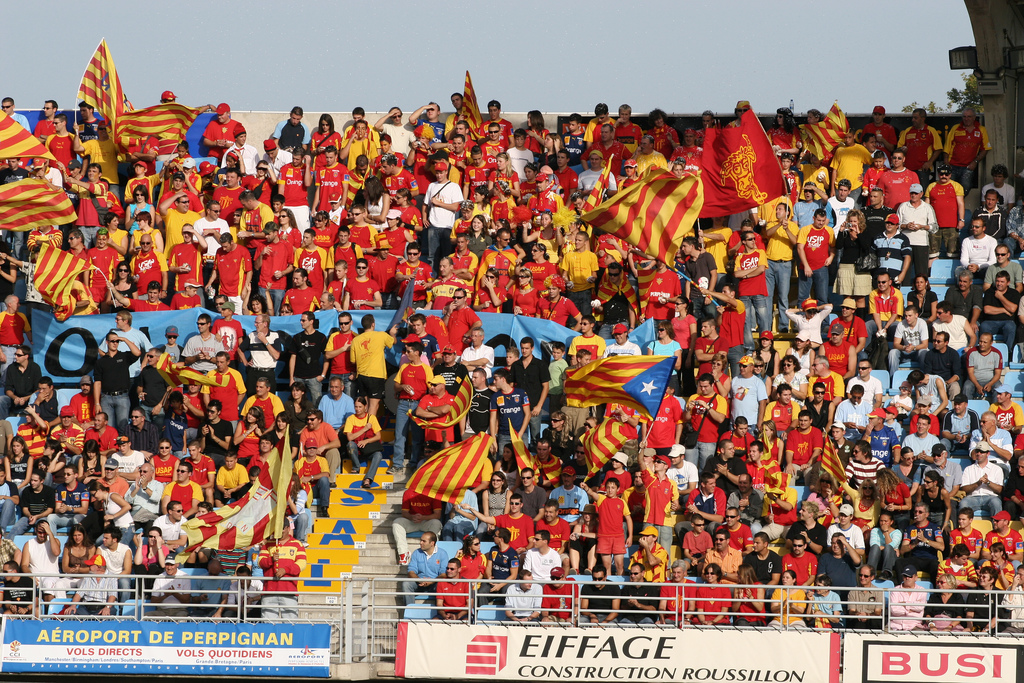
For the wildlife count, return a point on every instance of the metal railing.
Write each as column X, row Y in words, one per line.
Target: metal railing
column 364, row 613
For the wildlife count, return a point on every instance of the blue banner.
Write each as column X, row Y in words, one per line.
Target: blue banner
column 66, row 351
column 164, row 647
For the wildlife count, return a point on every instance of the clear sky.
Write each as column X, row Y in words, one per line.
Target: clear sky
column 680, row 55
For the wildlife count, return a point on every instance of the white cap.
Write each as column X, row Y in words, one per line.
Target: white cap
column 621, row 457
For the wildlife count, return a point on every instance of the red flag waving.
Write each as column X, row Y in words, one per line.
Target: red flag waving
column 740, row 168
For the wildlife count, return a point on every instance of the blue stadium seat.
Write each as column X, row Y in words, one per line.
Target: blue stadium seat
column 978, row 406
column 942, row 272
column 883, row 377
column 1014, row 379
column 489, row 613
column 897, row 379
column 1002, row 348
column 940, row 291
column 450, row 547
column 801, row 492
column 64, row 397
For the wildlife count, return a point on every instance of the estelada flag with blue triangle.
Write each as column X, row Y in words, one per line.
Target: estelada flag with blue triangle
column 635, row 381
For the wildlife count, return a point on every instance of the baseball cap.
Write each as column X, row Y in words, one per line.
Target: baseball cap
column 411, row 338
column 228, row 305
column 440, row 165
column 621, row 457
column 878, row 110
column 664, row 459
column 747, row 360
column 767, row 334
column 937, row 450
column 838, row 425
column 394, row 213
column 1002, row 388
column 86, row 379
column 223, row 108
column 269, row 145
column 892, row 410
column 677, row 451
column 448, row 348
column 569, row 470
column 1002, row 516
column 96, row 561
column 435, row 380
column 916, row 187
column 121, row 440
column 543, row 178
column 170, row 560
column 878, row 412
column 630, row 163
column 142, row 163
column 893, row 218
column 809, row 304
column 649, row 530
column 309, row 443
column 743, row 104
column 177, row 175
column 67, row 411
column 923, row 400
column 620, row 329
column 556, row 573
column 803, row 335
column 983, row 447
column 168, row 95
column 836, row 328
column 171, row 331
column 908, row 571
column 112, row 464
column 846, row 509
column 596, row 152
column 188, row 162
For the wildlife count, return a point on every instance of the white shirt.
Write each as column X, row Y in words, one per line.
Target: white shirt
column 248, row 155
column 212, row 230
column 627, row 349
column 1007, row 192
column 541, row 565
column 981, row 252
column 912, row 335
column 131, row 462
column 115, row 558
column 40, row 559
column 485, row 351
column 163, row 584
column 872, row 387
column 956, row 331
column 523, row 603
column 284, row 157
column 588, row 179
column 519, row 160
column 973, row 474
column 171, row 531
column 922, row 214
column 447, row 192
column 685, row 477
column 854, row 535
column 401, row 138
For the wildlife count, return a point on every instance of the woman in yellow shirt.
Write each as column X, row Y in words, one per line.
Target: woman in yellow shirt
column 788, row 602
column 363, row 433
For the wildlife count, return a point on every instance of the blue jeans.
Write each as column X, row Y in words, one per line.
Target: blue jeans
column 700, row 455
column 818, row 281
column 315, row 388
column 965, row 177
column 457, row 527
column 990, row 504
column 758, row 306
column 1006, row 328
column 778, row 277
column 404, row 424
column 7, row 510
column 896, row 357
column 322, row 489
column 273, row 297
column 117, row 409
column 438, row 245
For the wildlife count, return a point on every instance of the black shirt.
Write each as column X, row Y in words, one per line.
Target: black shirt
column 113, row 371
column 616, row 310
column 766, row 567
column 223, row 431
column 818, row 535
column 23, row 382
column 989, row 299
column 37, row 502
column 291, row 136
column 12, row 175
column 735, row 466
column 963, row 305
column 47, row 409
column 875, row 219
column 18, row 590
column 153, row 385
column 945, row 364
column 309, row 350
column 599, row 596
column 453, row 376
column 479, row 419
column 530, row 378
column 7, row 288
column 645, row 594
column 819, row 416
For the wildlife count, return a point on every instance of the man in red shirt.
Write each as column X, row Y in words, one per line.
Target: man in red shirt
column 419, row 513
column 556, row 307
column 292, row 183
column 752, row 286
column 841, row 354
column 803, row 446
column 148, row 266
column 396, row 177
column 895, row 182
column 229, row 195
column 520, row 526
column 301, row 297
column 383, row 267
column 660, row 498
column 233, row 268
column 1002, row 533
column 805, row 564
column 150, row 303
column 220, row 132
column 815, row 250
column 274, row 261
column 362, row 291
column 884, row 134
column 608, row 145
column 14, row 329
column 415, row 273
column 331, row 181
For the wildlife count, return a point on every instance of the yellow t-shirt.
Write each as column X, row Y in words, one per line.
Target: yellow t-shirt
column 260, row 216
column 368, row 353
column 815, row 174
column 592, row 131
column 173, row 223
column 718, row 249
column 780, row 245
column 104, row 154
column 849, row 163
column 644, row 162
column 578, row 267
column 233, row 478
column 354, row 423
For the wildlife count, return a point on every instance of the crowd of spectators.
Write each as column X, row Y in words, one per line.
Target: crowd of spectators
column 488, row 220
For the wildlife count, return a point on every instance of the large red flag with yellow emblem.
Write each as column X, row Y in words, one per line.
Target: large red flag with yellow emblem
column 740, row 168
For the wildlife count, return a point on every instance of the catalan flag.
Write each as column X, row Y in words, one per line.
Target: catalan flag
column 177, row 374
column 55, row 278
column 606, row 291
column 101, row 86
column 470, row 106
column 257, row 515
column 18, row 143
column 32, row 203
column 596, row 195
column 524, row 458
column 447, row 474
column 653, row 214
column 824, row 136
column 463, row 397
column 635, row 381
column 170, row 120
column 602, row 442
column 832, row 463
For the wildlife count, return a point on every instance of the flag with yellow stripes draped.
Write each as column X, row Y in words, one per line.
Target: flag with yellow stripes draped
column 824, row 136
column 602, row 442
column 471, row 107
column 32, row 203
column 596, row 195
column 55, row 279
column 832, row 463
column 169, row 120
column 463, row 398
column 101, row 87
column 18, row 143
column 177, row 374
column 524, row 458
column 448, row 473
column 653, row 214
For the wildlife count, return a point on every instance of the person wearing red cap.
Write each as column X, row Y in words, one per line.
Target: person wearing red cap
column 220, row 132
column 440, row 209
column 276, row 157
column 96, row 592
column 884, row 134
column 314, row 473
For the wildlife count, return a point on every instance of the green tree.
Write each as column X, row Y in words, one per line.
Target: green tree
column 931, row 107
column 968, row 97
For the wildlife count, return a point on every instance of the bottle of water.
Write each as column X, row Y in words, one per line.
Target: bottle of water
column 791, row 108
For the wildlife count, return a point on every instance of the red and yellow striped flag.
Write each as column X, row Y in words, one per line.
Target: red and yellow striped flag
column 832, row 463
column 101, row 87
column 596, row 195
column 33, row 203
column 178, row 374
column 823, row 137
column 470, row 106
column 602, row 442
column 55, row 278
column 635, row 381
column 448, row 474
column 257, row 515
column 18, row 143
column 653, row 214
column 524, row 458
column 169, row 120
column 463, row 397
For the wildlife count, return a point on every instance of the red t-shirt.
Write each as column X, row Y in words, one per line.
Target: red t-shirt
column 293, row 179
column 805, row 566
column 202, row 470
column 362, row 291
column 663, row 284
column 163, row 468
column 418, row 504
column 803, row 445
column 838, row 356
column 402, row 179
column 231, row 269
column 611, row 512
column 663, row 430
column 559, row 532
column 422, row 273
column 559, row 311
column 520, row 527
column 752, row 286
column 460, row 323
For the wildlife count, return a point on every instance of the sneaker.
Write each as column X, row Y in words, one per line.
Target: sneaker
column 322, row 512
column 403, row 559
column 395, row 470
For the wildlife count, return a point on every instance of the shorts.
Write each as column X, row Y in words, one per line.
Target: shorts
column 611, row 545
column 370, row 387
column 851, row 283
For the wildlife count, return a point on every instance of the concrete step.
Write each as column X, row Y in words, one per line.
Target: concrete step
column 378, row 553
column 372, row 567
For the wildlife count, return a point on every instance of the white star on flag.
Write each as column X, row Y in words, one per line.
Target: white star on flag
column 648, row 388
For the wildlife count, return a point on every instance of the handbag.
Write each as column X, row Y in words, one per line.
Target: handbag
column 867, row 263
column 690, row 435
